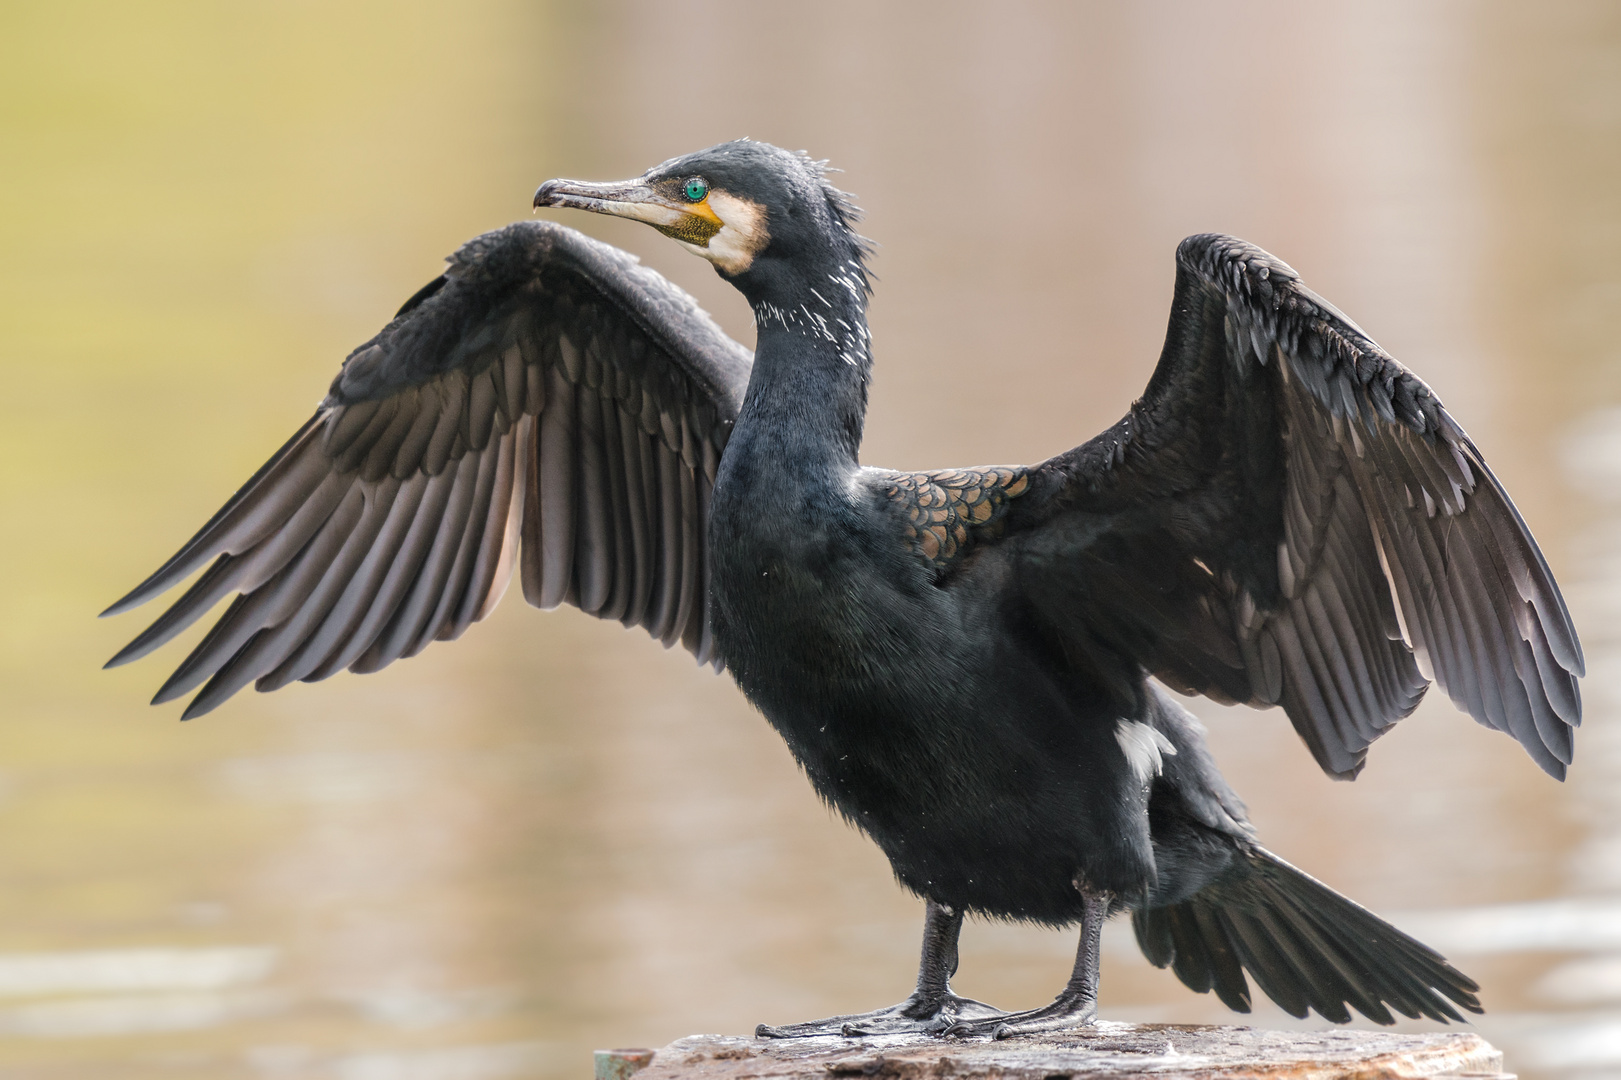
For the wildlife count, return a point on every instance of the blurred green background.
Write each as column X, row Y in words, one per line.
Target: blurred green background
column 553, row 835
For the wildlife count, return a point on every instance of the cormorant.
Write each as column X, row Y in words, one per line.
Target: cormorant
column 963, row 661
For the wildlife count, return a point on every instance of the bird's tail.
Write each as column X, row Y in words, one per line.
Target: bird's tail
column 1306, row 945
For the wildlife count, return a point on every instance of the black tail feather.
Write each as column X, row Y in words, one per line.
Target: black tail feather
column 1305, row 945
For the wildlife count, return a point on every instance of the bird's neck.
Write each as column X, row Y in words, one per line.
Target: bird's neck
column 807, row 396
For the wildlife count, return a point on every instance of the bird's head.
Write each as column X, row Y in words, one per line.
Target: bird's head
column 762, row 215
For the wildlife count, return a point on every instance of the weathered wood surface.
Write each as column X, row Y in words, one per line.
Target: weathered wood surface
column 1165, row 1052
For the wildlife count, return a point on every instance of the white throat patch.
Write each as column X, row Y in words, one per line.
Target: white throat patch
column 1144, row 747
column 742, row 234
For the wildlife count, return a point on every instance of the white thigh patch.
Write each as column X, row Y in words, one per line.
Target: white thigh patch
column 1144, row 748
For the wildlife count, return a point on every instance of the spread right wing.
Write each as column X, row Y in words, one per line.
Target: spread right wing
column 1289, row 517
column 546, row 403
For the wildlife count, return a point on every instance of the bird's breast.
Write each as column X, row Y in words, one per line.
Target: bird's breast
column 800, row 580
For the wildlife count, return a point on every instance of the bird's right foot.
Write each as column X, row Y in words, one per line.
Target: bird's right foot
column 932, row 1015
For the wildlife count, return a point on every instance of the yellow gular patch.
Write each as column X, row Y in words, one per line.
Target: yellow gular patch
column 739, row 233
column 693, row 224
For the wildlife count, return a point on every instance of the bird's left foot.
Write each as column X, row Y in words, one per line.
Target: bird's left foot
column 1067, row 1012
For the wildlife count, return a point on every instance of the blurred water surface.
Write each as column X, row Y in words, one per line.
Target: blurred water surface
column 553, row 835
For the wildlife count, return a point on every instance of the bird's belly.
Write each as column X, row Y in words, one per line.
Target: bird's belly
column 916, row 713
column 960, row 759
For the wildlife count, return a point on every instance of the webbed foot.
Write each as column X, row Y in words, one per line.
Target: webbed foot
column 932, row 1014
column 1068, row 1011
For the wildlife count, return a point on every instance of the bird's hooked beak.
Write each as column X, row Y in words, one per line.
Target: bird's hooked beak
column 694, row 223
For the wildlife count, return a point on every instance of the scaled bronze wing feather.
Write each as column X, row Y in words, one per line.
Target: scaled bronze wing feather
column 1288, row 516
column 547, row 405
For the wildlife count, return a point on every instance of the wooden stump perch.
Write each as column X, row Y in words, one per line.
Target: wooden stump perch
column 1161, row 1051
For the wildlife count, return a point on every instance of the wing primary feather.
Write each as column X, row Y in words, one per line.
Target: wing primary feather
column 649, row 487
column 1339, row 652
column 343, row 603
column 1539, row 587
column 1498, row 648
column 593, row 552
column 531, row 559
column 243, row 573
column 257, row 508
column 404, row 573
column 222, row 641
column 688, row 624
column 493, row 556
column 1317, row 668
column 1520, row 634
column 420, row 503
column 306, row 599
column 556, row 488
column 1560, row 685
column 1311, row 714
column 1425, row 598
column 412, row 628
column 442, row 624
column 269, row 607
column 1378, row 662
column 637, row 539
column 279, row 634
column 216, row 582
column 367, row 600
column 1412, row 614
column 1487, row 659
column 512, row 538
column 668, row 592
column 1345, row 605
column 707, row 653
column 618, row 498
column 1343, row 608
column 706, row 637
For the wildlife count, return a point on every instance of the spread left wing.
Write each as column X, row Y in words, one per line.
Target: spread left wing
column 547, row 404
column 1288, row 516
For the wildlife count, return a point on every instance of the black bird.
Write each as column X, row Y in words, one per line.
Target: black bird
column 963, row 661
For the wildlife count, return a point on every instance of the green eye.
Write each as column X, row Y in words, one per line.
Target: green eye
column 696, row 189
